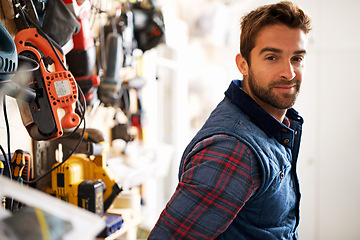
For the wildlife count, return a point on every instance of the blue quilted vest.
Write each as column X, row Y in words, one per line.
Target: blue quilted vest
column 273, row 212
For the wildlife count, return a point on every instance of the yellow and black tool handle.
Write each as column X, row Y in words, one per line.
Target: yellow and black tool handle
column 17, row 164
column 20, row 167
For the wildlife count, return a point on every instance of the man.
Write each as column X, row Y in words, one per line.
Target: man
column 238, row 175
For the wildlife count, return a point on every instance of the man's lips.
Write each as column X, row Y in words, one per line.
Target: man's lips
column 287, row 88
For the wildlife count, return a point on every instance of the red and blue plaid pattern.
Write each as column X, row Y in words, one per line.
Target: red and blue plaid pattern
column 220, row 174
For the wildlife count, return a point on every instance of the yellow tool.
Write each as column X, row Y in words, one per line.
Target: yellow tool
column 85, row 181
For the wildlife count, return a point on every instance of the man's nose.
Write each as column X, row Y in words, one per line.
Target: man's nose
column 287, row 70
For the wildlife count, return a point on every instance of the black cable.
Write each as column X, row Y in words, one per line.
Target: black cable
column 8, row 143
column 7, row 130
column 8, row 164
column 8, row 158
column 4, row 154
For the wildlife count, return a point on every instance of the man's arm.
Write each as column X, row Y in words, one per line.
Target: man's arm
column 219, row 176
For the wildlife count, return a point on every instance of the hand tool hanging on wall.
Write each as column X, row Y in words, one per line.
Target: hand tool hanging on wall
column 149, row 27
column 53, row 109
column 55, row 90
column 82, row 58
column 119, row 46
column 110, row 85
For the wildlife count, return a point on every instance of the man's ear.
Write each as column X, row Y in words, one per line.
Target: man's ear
column 242, row 64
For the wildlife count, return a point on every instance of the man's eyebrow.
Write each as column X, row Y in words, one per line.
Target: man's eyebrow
column 300, row 52
column 276, row 50
column 270, row 49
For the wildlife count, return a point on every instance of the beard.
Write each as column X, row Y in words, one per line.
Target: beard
column 268, row 95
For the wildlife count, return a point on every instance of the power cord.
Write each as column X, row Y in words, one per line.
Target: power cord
column 7, row 133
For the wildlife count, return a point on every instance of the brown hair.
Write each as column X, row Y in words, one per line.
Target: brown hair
column 284, row 12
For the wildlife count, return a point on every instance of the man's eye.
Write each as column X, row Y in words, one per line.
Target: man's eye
column 271, row 58
column 297, row 59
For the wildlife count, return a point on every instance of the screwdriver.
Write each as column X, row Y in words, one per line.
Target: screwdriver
column 17, row 164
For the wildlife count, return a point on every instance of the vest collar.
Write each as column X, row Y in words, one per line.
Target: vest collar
column 271, row 126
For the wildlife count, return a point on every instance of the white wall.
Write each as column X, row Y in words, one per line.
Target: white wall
column 19, row 137
column 338, row 163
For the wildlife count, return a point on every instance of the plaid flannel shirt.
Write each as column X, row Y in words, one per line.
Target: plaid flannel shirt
column 203, row 205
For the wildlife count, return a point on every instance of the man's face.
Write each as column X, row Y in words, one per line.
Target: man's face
column 276, row 67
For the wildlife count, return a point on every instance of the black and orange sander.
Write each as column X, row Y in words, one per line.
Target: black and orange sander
column 53, row 109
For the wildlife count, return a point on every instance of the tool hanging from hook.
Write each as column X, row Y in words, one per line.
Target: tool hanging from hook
column 53, row 110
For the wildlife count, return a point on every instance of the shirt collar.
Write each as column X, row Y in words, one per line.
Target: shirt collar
column 271, row 126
